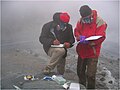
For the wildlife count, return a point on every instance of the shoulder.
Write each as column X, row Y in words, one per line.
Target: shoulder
column 47, row 24
column 99, row 21
column 69, row 25
column 79, row 23
column 50, row 24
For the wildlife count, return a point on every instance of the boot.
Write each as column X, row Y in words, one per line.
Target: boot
column 47, row 71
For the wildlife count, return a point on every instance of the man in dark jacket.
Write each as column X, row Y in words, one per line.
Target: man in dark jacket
column 57, row 32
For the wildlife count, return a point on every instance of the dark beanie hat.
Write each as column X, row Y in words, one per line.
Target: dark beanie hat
column 85, row 10
column 56, row 17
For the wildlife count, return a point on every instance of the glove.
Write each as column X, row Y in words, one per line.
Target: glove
column 67, row 45
column 82, row 40
column 56, row 42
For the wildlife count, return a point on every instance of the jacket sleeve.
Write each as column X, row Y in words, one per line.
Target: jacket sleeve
column 44, row 37
column 100, row 31
column 72, row 39
column 77, row 30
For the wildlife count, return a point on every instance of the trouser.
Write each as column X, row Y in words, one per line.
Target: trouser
column 86, row 71
column 57, row 59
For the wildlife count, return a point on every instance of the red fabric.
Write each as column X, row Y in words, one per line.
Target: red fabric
column 86, row 50
column 64, row 17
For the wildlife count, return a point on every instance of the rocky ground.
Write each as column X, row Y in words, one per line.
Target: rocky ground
column 108, row 70
column 19, row 62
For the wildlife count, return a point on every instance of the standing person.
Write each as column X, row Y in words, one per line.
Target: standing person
column 57, row 32
column 90, row 24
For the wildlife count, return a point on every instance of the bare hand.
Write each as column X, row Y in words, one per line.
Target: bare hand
column 67, row 45
column 56, row 42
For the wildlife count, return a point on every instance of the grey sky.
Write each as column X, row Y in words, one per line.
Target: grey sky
column 23, row 20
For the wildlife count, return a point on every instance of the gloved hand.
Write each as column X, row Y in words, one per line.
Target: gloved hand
column 67, row 45
column 82, row 40
column 56, row 42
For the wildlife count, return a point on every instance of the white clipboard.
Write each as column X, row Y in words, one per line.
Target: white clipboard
column 93, row 38
column 60, row 46
column 89, row 38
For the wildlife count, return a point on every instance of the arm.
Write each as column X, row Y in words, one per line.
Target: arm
column 76, row 31
column 72, row 39
column 44, row 37
column 100, row 30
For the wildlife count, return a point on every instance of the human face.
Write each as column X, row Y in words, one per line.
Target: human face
column 62, row 25
column 87, row 19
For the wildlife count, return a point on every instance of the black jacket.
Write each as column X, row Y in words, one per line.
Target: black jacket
column 47, row 38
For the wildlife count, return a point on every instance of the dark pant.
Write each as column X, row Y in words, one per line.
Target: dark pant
column 61, row 66
column 86, row 71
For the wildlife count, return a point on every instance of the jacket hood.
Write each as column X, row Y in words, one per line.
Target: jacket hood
column 94, row 15
column 56, row 17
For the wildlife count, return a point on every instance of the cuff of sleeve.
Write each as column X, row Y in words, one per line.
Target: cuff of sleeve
column 92, row 43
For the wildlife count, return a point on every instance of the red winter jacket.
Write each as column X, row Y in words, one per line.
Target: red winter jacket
column 97, row 27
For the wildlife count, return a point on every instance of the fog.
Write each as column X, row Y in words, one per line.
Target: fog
column 21, row 21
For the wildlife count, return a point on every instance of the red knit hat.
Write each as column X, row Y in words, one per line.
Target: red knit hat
column 64, row 17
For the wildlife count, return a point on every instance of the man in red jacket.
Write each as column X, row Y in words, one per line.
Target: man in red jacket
column 88, row 51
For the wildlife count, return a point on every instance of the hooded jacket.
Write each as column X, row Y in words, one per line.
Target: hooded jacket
column 95, row 28
column 47, row 37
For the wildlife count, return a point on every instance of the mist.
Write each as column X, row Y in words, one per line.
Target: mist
column 22, row 21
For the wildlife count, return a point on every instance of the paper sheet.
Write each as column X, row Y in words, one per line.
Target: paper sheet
column 93, row 37
column 74, row 86
column 89, row 38
column 76, row 42
column 61, row 45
